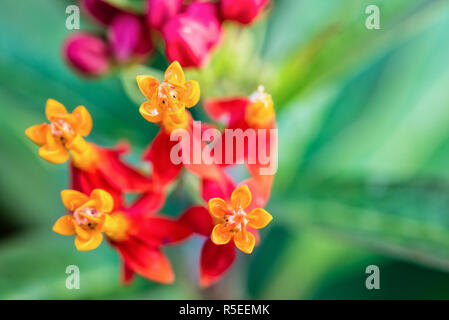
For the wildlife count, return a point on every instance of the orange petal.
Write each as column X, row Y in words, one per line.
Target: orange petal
column 220, row 234
column 82, row 233
column 54, row 109
column 258, row 218
column 57, row 155
column 73, row 199
column 78, row 144
column 174, row 74
column 147, row 85
column 217, row 207
column 64, row 225
column 37, row 133
column 103, row 199
column 241, row 197
column 89, row 244
column 85, row 120
column 244, row 241
column 151, row 111
column 192, row 94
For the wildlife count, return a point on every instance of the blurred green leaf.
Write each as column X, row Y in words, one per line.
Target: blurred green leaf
column 137, row 6
column 408, row 221
column 343, row 43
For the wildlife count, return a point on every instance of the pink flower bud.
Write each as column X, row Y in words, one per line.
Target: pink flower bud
column 160, row 11
column 87, row 53
column 242, row 11
column 124, row 33
column 100, row 10
column 190, row 36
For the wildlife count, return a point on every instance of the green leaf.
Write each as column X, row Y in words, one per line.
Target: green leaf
column 408, row 220
column 136, row 6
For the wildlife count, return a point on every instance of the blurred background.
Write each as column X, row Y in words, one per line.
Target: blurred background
column 363, row 173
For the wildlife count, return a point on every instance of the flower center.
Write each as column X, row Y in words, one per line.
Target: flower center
column 61, row 129
column 169, row 97
column 82, row 217
column 236, row 220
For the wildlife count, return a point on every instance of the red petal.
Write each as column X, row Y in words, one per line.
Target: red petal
column 198, row 219
column 226, row 110
column 127, row 275
column 160, row 231
column 265, row 152
column 198, row 166
column 215, row 261
column 260, row 187
column 147, row 204
column 121, row 175
column 158, row 153
column 86, row 181
column 217, row 188
column 147, row 261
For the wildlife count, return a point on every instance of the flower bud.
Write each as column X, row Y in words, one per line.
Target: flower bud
column 161, row 11
column 100, row 10
column 190, row 36
column 87, row 53
column 242, row 11
column 123, row 35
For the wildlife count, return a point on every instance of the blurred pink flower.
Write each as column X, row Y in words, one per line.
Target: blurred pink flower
column 100, row 11
column 160, row 11
column 190, row 36
column 87, row 53
column 124, row 34
column 242, row 11
column 128, row 38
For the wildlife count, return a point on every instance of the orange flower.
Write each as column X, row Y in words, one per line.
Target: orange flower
column 64, row 133
column 167, row 100
column 231, row 220
column 260, row 111
column 90, row 216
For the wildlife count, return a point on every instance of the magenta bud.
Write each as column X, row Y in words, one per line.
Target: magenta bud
column 87, row 53
column 124, row 34
column 190, row 36
column 160, row 12
column 100, row 10
column 241, row 11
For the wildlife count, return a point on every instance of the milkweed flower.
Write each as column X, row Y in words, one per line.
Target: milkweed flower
column 137, row 236
column 191, row 35
column 242, row 11
column 166, row 106
column 231, row 214
column 231, row 220
column 167, row 101
column 90, row 217
column 127, row 39
column 91, row 166
column 256, row 113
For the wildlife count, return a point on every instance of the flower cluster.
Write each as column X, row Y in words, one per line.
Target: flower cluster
column 229, row 214
column 189, row 29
